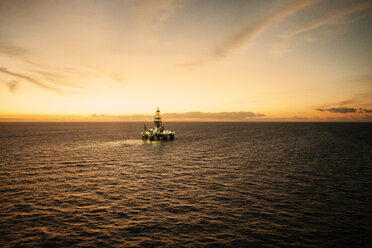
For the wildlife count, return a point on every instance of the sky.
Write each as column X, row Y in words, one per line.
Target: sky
column 214, row 60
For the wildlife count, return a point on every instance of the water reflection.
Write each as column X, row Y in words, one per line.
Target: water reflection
column 217, row 184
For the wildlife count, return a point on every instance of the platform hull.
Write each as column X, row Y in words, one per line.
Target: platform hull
column 158, row 137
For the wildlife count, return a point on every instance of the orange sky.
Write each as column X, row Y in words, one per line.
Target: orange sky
column 196, row 60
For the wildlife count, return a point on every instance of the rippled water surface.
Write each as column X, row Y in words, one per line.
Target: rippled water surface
column 216, row 185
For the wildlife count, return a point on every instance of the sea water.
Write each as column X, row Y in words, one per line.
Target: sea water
column 215, row 185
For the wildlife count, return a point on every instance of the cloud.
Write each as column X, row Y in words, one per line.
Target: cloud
column 362, row 110
column 55, row 74
column 242, row 115
column 148, row 16
column 147, row 118
column 50, row 76
column 348, row 102
column 345, row 110
column 340, row 16
column 252, row 30
column 338, row 110
column 334, row 17
column 57, row 78
column 32, row 80
column 62, row 70
column 54, row 78
column 190, row 116
column 10, row 49
column 360, row 99
column 12, row 85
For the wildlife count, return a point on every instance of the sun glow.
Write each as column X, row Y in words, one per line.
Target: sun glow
column 284, row 62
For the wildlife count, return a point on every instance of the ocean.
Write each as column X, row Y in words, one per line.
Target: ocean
column 215, row 185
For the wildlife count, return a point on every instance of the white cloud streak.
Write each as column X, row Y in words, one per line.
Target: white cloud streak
column 252, row 30
column 333, row 17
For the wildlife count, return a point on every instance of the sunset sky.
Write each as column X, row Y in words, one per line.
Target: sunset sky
column 195, row 59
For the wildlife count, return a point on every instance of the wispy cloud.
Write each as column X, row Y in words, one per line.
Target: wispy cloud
column 334, row 17
column 55, row 78
column 349, row 117
column 191, row 116
column 50, row 76
column 57, row 74
column 345, row 110
column 29, row 79
column 358, row 103
column 10, row 49
column 242, row 115
column 252, row 30
column 148, row 16
column 58, row 78
column 33, row 81
column 12, row 85
column 360, row 99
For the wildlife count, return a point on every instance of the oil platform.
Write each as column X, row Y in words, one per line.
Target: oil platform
column 157, row 132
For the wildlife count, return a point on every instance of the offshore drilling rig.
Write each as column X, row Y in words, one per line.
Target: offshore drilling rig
column 157, row 132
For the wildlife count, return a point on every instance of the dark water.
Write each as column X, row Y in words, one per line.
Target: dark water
column 216, row 185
